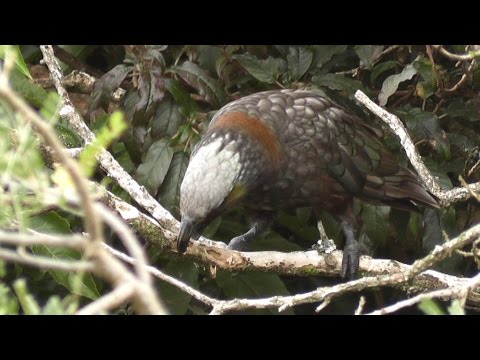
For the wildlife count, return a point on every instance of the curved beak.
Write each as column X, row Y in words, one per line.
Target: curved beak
column 186, row 230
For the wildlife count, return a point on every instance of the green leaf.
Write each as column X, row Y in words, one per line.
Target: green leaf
column 274, row 242
column 207, row 87
column 151, row 90
column 432, row 230
column 302, row 230
column 252, row 285
column 265, row 71
column 429, row 83
column 337, row 82
column 323, row 53
column 8, row 302
column 155, row 166
column 368, row 54
column 430, row 307
column 177, row 300
column 391, row 83
column 299, row 60
column 426, row 125
column 187, row 106
column 400, row 219
column 467, row 110
column 380, row 68
column 106, row 85
column 54, row 306
column 20, row 65
column 27, row 301
column 456, row 308
column 375, row 223
column 169, row 193
column 50, row 223
column 33, row 93
column 167, row 120
column 84, row 286
column 208, row 56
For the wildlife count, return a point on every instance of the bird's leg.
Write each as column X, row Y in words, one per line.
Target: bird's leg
column 324, row 244
column 260, row 224
column 351, row 252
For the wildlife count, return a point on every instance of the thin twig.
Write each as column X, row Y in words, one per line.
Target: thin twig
column 463, row 57
column 128, row 239
column 450, row 293
column 361, row 305
column 113, row 299
column 157, row 273
column 71, row 241
column 44, row 262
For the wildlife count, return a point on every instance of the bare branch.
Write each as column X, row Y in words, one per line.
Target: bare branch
column 81, row 81
column 446, row 196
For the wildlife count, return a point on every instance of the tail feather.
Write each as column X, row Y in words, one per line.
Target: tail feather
column 402, row 190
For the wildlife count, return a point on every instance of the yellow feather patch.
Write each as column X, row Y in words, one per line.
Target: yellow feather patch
column 238, row 192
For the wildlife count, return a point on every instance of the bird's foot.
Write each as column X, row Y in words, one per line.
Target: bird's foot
column 238, row 243
column 351, row 260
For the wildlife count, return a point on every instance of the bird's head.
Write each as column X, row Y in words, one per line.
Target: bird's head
column 235, row 155
column 214, row 181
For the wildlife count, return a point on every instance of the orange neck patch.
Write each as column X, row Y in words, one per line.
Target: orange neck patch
column 241, row 122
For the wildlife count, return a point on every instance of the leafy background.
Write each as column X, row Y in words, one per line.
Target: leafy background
column 172, row 92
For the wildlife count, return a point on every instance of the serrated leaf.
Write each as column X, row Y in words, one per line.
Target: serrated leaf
column 263, row 70
column 169, row 193
column 368, row 54
column 167, row 119
column 299, row 60
column 106, row 85
column 252, row 285
column 177, row 300
column 151, row 90
column 391, row 83
column 207, row 87
column 430, row 307
column 323, row 53
column 155, row 166
column 380, row 68
column 375, row 220
column 337, row 82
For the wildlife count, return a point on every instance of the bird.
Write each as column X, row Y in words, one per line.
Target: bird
column 283, row 149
